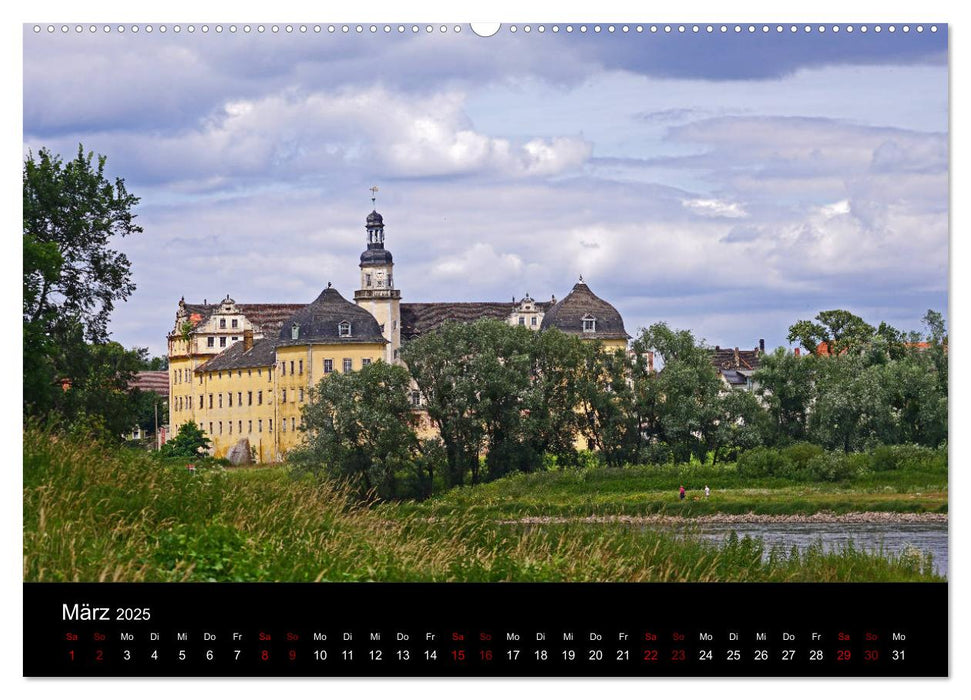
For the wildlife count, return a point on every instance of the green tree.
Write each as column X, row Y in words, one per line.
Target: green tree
column 191, row 441
column 841, row 330
column 359, row 426
column 72, row 279
column 608, row 417
column 680, row 402
column 786, row 383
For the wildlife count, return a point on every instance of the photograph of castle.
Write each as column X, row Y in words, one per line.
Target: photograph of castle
column 572, row 302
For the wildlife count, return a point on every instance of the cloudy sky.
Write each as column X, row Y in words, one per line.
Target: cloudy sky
column 727, row 183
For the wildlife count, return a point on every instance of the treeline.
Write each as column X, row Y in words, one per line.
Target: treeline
column 504, row 399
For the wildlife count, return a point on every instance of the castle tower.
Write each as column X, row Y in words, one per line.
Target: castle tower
column 377, row 293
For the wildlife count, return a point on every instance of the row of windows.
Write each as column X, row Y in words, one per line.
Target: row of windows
column 185, row 402
column 234, row 324
column 211, row 341
column 296, row 367
column 216, row 427
column 532, row 321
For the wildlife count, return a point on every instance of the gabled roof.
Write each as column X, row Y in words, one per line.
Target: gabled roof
column 735, row 359
column 267, row 317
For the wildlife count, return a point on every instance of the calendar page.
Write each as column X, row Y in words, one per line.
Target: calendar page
column 551, row 349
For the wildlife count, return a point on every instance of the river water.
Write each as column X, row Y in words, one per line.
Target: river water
column 890, row 537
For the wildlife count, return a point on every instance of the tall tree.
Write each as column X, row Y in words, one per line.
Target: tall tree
column 359, row 426
column 840, row 330
column 72, row 280
column 786, row 383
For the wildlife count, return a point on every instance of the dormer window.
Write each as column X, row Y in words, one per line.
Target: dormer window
column 295, row 331
column 589, row 324
column 344, row 329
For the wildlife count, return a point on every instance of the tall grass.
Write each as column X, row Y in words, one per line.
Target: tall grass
column 96, row 515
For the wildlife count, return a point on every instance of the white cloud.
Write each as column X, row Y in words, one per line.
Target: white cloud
column 715, row 208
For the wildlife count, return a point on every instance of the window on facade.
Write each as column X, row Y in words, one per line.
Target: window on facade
column 250, row 426
column 367, row 279
column 259, row 373
column 269, row 374
column 230, row 424
column 222, row 342
column 328, row 366
column 293, row 424
column 271, row 425
column 365, row 362
column 211, row 342
column 235, row 338
column 348, row 365
column 222, row 323
column 283, row 369
column 210, row 428
column 200, row 379
column 589, row 324
column 210, row 400
column 239, row 402
column 301, row 396
column 283, row 426
column 396, row 353
column 220, row 401
column 295, row 331
column 415, row 399
column 259, row 425
column 291, row 366
column 202, row 401
column 235, row 323
column 259, row 398
column 220, row 427
column 241, row 426
column 522, row 320
column 532, row 321
column 249, row 399
column 230, row 397
column 344, row 329
column 300, row 367
column 284, row 396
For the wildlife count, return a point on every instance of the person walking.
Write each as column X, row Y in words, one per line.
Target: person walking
column 681, row 492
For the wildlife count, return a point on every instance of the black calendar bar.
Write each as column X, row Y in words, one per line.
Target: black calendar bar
column 375, row 629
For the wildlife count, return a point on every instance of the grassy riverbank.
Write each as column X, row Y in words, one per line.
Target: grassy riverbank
column 651, row 490
column 95, row 515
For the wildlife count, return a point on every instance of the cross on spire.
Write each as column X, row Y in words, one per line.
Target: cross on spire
column 374, row 191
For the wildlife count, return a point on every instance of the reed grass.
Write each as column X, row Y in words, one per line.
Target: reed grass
column 93, row 514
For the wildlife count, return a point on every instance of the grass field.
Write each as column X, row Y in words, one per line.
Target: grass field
column 652, row 490
column 96, row 515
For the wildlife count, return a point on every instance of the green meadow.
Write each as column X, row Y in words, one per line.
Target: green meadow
column 98, row 514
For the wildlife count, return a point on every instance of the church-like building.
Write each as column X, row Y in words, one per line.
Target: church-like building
column 243, row 371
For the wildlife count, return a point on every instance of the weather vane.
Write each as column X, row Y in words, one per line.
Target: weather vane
column 374, row 191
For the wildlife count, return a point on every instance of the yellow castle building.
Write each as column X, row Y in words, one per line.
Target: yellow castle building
column 242, row 372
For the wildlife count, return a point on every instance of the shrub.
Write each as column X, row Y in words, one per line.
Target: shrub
column 764, row 461
column 801, row 453
column 893, row 457
column 829, row 466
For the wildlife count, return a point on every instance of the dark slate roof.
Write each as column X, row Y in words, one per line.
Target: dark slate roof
column 734, row 377
column 417, row 319
column 376, row 256
column 319, row 322
column 734, row 359
column 567, row 315
column 375, row 218
column 151, row 381
column 268, row 317
column 262, row 354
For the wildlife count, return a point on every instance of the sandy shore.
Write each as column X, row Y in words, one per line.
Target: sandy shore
column 823, row 517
